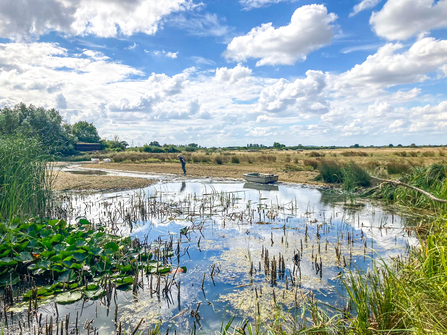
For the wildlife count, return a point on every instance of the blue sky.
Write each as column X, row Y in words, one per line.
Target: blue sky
column 233, row 72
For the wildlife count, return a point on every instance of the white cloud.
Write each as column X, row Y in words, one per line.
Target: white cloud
column 301, row 97
column 131, row 47
column 26, row 20
column 172, row 54
column 364, row 5
column 402, row 19
column 168, row 54
column 232, row 75
column 252, row 4
column 202, row 60
column 387, row 68
column 308, row 30
column 201, row 25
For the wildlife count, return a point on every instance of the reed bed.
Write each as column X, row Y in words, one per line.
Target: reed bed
column 25, row 181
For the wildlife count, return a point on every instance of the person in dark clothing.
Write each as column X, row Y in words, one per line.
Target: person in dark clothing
column 182, row 160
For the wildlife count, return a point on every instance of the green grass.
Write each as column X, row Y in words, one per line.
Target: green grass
column 350, row 175
column 25, row 183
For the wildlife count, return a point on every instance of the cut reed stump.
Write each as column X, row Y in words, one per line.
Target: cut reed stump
column 399, row 183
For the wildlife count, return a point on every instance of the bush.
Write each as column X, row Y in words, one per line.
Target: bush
column 235, row 160
column 311, row 162
column 316, row 154
column 218, row 160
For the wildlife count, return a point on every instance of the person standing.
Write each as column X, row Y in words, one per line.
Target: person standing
column 182, row 160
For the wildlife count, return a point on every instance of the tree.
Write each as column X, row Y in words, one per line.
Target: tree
column 277, row 145
column 390, row 145
column 356, row 146
column 155, row 144
column 44, row 124
column 85, row 132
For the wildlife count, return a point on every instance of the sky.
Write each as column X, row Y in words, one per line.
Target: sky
column 229, row 72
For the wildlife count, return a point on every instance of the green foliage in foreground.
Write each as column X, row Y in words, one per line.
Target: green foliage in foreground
column 350, row 175
column 431, row 178
column 24, row 181
column 69, row 255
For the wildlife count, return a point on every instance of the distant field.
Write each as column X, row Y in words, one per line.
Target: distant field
column 291, row 165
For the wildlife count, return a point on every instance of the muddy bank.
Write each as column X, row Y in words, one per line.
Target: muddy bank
column 220, row 171
column 65, row 181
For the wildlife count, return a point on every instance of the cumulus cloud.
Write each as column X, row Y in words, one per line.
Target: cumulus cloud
column 232, row 75
column 309, row 29
column 26, row 20
column 402, row 19
column 387, row 68
column 168, row 54
column 252, row 4
column 364, row 5
column 303, row 96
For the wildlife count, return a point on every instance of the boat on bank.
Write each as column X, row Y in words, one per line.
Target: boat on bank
column 261, row 178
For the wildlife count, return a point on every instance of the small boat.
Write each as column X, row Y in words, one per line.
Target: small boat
column 261, row 178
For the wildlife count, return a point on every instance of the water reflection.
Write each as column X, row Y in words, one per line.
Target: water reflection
column 237, row 238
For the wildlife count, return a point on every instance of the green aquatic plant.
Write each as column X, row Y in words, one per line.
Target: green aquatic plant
column 25, row 180
column 73, row 257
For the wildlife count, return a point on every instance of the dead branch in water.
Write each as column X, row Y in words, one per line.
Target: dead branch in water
column 397, row 182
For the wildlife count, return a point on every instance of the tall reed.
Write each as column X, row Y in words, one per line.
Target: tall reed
column 25, row 182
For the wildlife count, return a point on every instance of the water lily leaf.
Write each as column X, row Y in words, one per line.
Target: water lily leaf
column 6, row 253
column 26, row 256
column 7, row 261
column 68, row 297
column 70, row 240
column 112, row 245
column 80, row 243
column 164, row 270
column 124, row 281
column 67, row 277
column 57, row 238
column 17, row 308
column 58, row 268
column 76, row 266
column 80, row 257
column 95, row 251
column 59, row 247
column 47, row 254
column 84, row 221
column 44, row 265
column 95, row 294
column 68, row 259
column 21, row 246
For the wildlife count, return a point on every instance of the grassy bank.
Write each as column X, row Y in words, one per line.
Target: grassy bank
column 25, row 185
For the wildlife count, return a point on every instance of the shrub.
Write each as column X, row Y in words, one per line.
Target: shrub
column 235, row 160
column 311, row 162
column 218, row 160
column 316, row 154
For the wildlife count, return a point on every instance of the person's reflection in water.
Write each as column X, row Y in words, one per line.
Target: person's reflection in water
column 183, row 187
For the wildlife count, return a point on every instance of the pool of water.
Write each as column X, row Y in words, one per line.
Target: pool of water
column 234, row 234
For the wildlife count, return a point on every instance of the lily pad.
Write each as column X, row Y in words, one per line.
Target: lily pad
column 68, row 297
